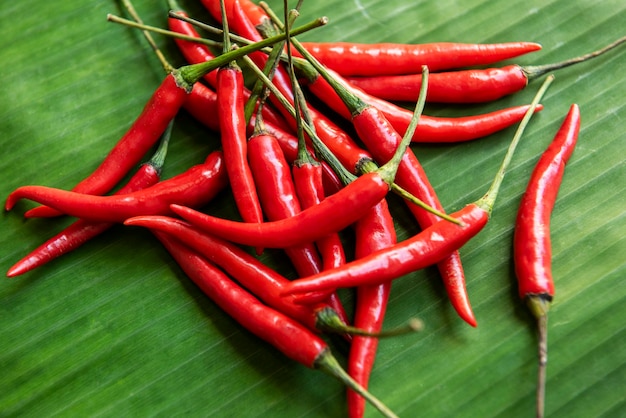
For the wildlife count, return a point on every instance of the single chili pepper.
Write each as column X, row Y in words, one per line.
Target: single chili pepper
column 152, row 122
column 423, row 249
column 532, row 250
column 430, row 129
column 287, row 335
column 467, row 86
column 256, row 277
column 196, row 53
column 230, row 102
column 373, row 232
column 348, row 58
column 195, row 187
column 82, row 231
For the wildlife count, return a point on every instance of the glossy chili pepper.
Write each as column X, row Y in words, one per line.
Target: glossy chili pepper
column 467, row 86
column 431, row 128
column 230, row 103
column 423, row 249
column 256, row 277
column 308, row 182
column 142, row 135
column 532, row 250
column 348, row 58
column 82, row 231
column 288, row 336
column 332, row 214
column 195, row 187
column 373, row 232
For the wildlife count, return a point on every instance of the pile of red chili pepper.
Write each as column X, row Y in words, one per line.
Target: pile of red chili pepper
column 300, row 180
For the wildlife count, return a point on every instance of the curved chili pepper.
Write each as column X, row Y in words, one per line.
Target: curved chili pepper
column 532, row 251
column 423, row 249
column 82, row 231
column 303, row 226
column 431, row 128
column 142, row 135
column 288, row 336
column 253, row 275
column 467, row 86
column 348, row 58
column 373, row 232
column 195, row 187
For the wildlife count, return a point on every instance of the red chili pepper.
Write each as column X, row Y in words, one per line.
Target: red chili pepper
column 278, row 197
column 431, row 128
column 82, row 231
column 259, row 279
column 235, row 144
column 142, row 135
column 348, row 58
column 308, row 182
column 467, row 86
column 288, row 336
column 423, row 249
column 532, row 249
column 195, row 187
column 302, row 226
column 373, row 232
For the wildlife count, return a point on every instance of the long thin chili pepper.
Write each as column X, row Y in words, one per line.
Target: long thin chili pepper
column 373, row 232
column 195, row 187
column 532, row 250
column 431, row 129
column 466, row 86
column 348, row 58
column 423, row 249
column 81, row 230
column 259, row 279
column 230, row 102
column 288, row 336
column 152, row 122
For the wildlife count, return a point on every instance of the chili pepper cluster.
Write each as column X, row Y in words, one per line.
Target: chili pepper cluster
column 299, row 180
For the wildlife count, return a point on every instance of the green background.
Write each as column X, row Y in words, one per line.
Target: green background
column 115, row 328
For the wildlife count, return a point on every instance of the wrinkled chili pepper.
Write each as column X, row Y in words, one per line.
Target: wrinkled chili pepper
column 373, row 232
column 348, row 58
column 81, row 230
column 423, row 249
column 466, row 86
column 194, row 187
column 532, row 250
column 288, row 336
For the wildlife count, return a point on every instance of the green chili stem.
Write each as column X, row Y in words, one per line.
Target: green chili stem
column 327, row 363
column 487, row 201
column 345, row 176
column 328, row 320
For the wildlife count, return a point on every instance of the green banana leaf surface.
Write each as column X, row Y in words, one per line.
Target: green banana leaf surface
column 115, row 328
